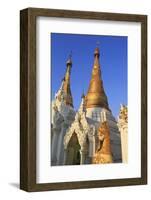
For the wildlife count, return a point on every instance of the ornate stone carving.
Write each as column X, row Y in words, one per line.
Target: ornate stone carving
column 62, row 115
column 81, row 128
column 123, row 127
column 123, row 116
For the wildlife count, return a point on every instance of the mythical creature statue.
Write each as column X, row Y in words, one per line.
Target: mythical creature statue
column 103, row 153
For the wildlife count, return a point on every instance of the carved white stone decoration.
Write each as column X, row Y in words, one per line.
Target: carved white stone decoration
column 123, row 127
column 83, row 130
column 61, row 118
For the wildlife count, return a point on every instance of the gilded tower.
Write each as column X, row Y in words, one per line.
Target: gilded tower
column 96, row 96
column 98, row 111
column 62, row 117
column 66, row 84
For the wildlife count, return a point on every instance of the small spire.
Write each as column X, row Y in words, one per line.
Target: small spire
column 82, row 105
column 69, row 61
column 66, row 82
column 97, row 51
column 121, row 106
column 83, row 95
column 65, row 85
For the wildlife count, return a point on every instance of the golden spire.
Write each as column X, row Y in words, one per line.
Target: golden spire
column 66, row 83
column 96, row 96
column 103, row 153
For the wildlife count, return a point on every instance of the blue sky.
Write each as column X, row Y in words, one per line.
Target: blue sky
column 113, row 61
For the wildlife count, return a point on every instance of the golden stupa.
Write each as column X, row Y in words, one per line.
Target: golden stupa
column 66, row 84
column 96, row 96
column 103, row 153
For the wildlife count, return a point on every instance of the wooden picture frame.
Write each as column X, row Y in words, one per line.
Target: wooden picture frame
column 28, row 98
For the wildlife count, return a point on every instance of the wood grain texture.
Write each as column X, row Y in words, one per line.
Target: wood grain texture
column 144, row 99
column 24, row 100
column 27, row 101
column 28, row 98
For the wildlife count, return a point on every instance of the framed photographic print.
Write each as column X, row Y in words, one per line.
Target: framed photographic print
column 83, row 99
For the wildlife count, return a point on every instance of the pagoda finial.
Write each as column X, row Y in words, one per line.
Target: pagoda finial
column 69, row 61
column 83, row 95
column 97, row 51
